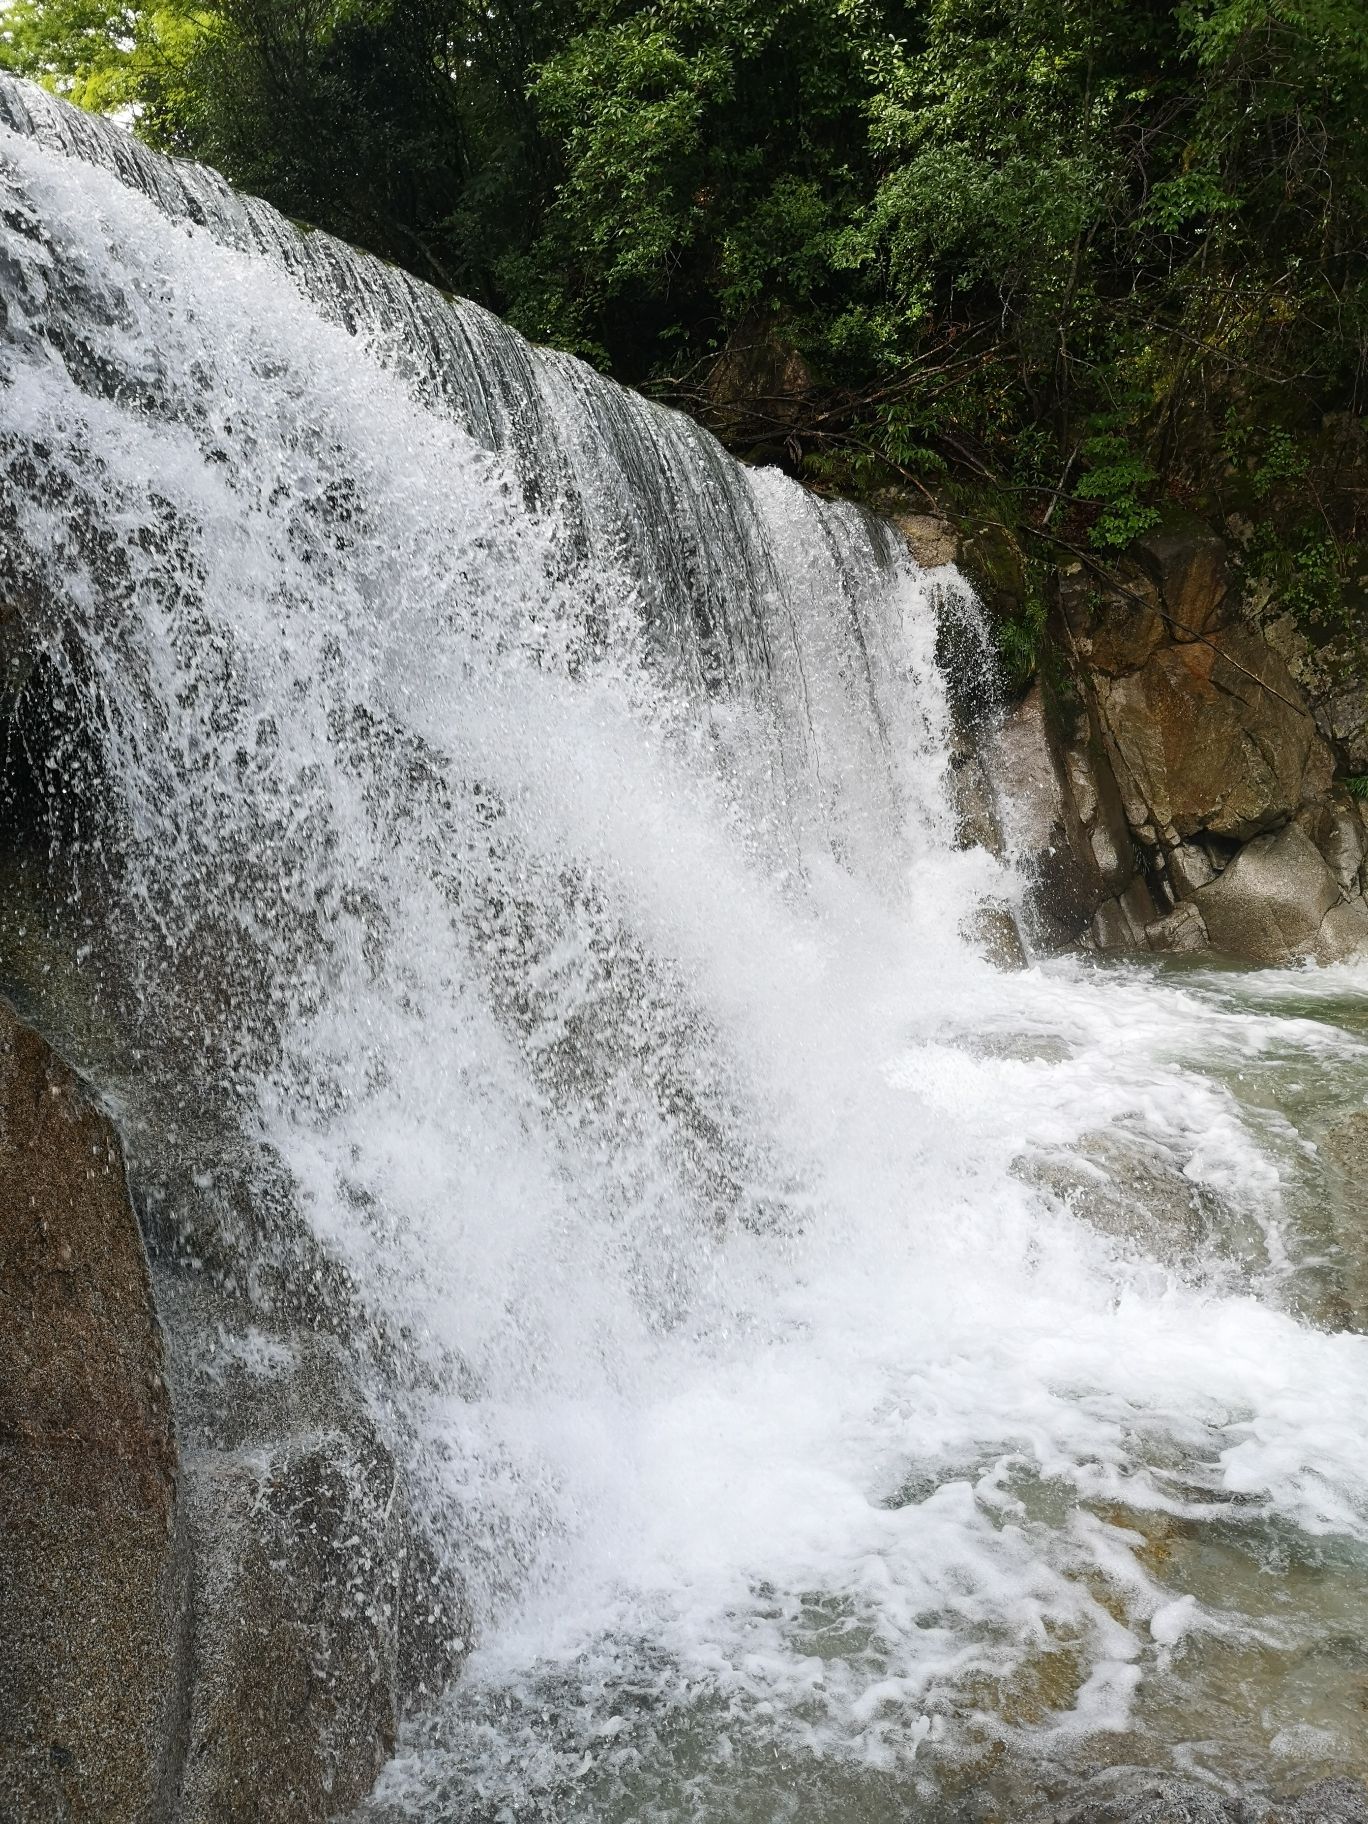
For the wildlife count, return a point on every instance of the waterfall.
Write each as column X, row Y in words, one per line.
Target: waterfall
column 530, row 830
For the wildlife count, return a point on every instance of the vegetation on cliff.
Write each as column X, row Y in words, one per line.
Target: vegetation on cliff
column 1074, row 259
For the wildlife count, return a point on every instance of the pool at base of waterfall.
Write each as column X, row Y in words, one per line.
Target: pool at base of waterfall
column 1059, row 1618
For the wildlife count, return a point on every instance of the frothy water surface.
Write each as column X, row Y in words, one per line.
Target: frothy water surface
column 854, row 1381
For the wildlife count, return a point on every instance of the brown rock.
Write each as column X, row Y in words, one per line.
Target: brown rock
column 931, row 540
column 91, row 1602
column 1186, row 561
column 1205, row 746
column 1125, row 626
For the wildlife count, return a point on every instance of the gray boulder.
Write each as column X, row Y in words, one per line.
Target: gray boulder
column 1343, row 933
column 1271, row 901
column 1183, row 930
column 1336, row 828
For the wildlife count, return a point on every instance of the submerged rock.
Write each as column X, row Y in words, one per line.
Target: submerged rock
column 1162, row 1802
column 1332, row 1801
column 1327, row 1802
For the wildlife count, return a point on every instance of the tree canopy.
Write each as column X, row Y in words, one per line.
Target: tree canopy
column 1087, row 251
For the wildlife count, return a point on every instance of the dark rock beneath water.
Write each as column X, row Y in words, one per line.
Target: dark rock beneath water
column 1138, row 1195
column 92, row 1600
column 1332, row 1801
column 1327, row 1802
column 1162, row 1802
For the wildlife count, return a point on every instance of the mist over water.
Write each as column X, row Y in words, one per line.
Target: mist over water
column 845, row 1373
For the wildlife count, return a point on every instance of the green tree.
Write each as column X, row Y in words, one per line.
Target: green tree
column 1052, row 250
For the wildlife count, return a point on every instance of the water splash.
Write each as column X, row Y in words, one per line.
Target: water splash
column 531, row 829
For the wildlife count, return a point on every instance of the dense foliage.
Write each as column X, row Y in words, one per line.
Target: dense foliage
column 1083, row 252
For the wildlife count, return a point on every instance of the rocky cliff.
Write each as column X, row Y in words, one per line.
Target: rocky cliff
column 1181, row 773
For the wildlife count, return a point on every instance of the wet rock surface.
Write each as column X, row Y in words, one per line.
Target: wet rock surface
column 218, row 1621
column 1164, row 1802
column 1135, row 1194
column 93, row 1610
column 1062, row 815
column 317, row 1610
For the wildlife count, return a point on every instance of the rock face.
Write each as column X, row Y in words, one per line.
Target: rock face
column 1208, row 740
column 216, row 1623
column 1177, row 794
column 296, row 1699
column 92, row 1601
column 1064, row 817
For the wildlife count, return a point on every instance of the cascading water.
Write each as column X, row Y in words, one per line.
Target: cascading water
column 531, row 829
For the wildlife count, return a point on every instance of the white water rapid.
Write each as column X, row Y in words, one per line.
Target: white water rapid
column 845, row 1374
